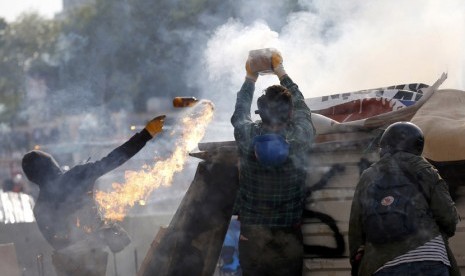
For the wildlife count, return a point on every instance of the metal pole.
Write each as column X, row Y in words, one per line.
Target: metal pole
column 40, row 264
column 114, row 263
column 135, row 260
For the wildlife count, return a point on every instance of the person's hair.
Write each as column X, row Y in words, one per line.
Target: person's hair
column 275, row 105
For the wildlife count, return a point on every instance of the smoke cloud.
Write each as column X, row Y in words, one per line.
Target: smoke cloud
column 332, row 46
column 328, row 47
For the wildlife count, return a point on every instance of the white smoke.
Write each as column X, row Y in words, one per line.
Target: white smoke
column 338, row 46
column 343, row 46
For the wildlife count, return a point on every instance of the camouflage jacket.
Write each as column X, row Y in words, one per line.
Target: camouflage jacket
column 438, row 201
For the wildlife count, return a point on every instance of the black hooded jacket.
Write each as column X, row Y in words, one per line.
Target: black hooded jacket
column 65, row 210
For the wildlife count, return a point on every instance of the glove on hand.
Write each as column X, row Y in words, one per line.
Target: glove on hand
column 251, row 74
column 259, row 62
column 277, row 63
column 264, row 61
column 155, row 125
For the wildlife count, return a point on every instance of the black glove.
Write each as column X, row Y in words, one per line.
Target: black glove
column 115, row 237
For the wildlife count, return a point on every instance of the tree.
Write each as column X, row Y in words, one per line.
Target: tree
column 26, row 45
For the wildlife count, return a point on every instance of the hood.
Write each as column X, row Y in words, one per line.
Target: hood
column 40, row 167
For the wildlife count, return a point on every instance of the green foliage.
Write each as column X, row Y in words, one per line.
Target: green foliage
column 118, row 53
column 25, row 45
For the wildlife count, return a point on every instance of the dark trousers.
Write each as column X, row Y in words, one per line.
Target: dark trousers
column 90, row 263
column 271, row 251
column 426, row 268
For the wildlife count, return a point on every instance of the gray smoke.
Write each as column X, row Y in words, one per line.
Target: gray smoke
column 328, row 47
column 332, row 46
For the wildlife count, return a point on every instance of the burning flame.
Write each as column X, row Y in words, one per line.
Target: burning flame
column 140, row 184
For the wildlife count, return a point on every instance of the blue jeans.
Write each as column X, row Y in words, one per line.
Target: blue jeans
column 426, row 268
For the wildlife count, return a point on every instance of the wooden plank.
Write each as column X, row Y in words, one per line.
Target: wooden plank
column 346, row 136
column 319, row 229
column 341, row 157
column 457, row 242
column 8, row 260
column 339, row 210
column 332, row 194
column 352, row 141
column 325, row 241
column 326, row 267
column 348, row 177
column 192, row 242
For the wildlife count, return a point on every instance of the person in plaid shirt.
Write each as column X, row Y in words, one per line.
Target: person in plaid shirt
column 273, row 160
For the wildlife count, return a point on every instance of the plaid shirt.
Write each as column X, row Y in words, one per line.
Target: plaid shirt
column 272, row 196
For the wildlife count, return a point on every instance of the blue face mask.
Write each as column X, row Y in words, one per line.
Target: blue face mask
column 271, row 150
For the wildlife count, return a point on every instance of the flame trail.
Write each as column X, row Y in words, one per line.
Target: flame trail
column 140, row 184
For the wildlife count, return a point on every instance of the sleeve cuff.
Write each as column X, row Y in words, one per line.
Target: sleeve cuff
column 145, row 135
column 286, row 81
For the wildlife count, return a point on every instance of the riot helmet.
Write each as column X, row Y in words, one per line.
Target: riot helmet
column 402, row 136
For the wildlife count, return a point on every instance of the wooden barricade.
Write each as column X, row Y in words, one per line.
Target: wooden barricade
column 334, row 200
column 8, row 260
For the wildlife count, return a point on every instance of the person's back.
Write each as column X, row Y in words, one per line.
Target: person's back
column 431, row 209
column 273, row 161
column 272, row 182
column 66, row 211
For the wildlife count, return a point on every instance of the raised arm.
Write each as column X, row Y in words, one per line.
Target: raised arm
column 241, row 118
column 301, row 117
column 127, row 150
column 441, row 204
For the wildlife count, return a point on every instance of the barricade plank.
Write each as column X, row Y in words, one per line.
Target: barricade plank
column 8, row 260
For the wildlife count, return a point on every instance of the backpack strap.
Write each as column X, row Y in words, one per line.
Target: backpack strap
column 414, row 180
